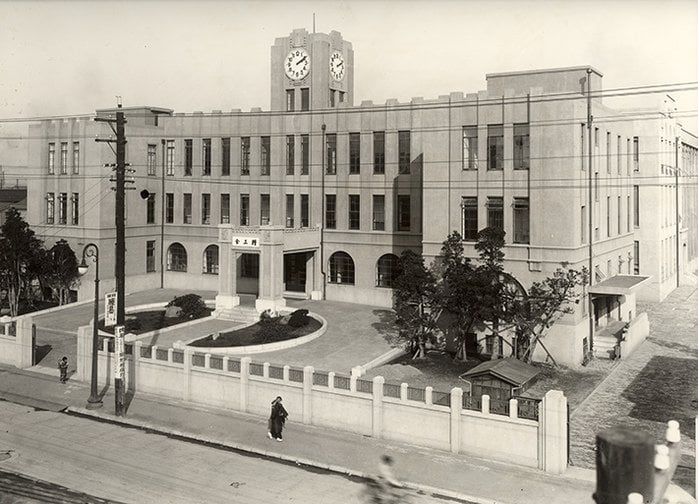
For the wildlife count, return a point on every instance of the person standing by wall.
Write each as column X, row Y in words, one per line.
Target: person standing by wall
column 277, row 419
column 63, row 368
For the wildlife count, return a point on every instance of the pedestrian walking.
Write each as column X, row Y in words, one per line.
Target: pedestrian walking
column 277, row 419
column 63, row 368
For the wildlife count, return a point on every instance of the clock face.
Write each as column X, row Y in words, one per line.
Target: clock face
column 297, row 64
column 337, row 66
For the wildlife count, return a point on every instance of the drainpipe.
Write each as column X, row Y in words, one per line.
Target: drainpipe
column 590, row 119
column 162, row 217
column 676, row 187
column 322, row 217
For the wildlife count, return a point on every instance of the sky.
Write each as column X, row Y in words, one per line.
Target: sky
column 69, row 58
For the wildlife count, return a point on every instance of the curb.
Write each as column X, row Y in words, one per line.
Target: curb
column 138, row 424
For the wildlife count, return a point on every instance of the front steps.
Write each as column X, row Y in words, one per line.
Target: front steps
column 244, row 314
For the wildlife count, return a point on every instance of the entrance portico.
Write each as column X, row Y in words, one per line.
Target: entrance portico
column 298, row 271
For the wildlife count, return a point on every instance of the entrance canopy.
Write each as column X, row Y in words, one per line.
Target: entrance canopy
column 619, row 285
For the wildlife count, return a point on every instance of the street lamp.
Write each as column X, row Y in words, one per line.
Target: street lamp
column 91, row 250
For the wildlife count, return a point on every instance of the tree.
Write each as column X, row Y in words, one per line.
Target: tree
column 416, row 303
column 18, row 250
column 62, row 269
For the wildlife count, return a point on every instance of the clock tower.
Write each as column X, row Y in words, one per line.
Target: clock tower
column 311, row 71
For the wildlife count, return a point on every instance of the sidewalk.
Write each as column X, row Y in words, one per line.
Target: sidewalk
column 459, row 477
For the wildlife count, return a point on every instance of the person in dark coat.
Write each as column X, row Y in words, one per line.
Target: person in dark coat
column 277, row 420
column 63, row 368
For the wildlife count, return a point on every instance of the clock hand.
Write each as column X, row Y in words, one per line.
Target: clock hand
column 341, row 63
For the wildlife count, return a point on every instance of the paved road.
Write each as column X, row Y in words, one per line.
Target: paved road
column 133, row 466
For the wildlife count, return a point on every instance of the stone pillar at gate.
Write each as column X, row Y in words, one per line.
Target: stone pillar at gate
column 271, row 269
column 227, row 275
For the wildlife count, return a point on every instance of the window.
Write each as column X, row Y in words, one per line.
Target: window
column 304, row 211
column 186, row 214
column 403, row 148
column 206, row 156
column 225, row 157
column 354, row 211
column 188, row 157
column 152, row 159
column 608, row 152
column 469, row 218
column 76, row 157
column 379, row 152
column 150, row 256
column 266, row 155
column 305, row 154
column 176, row 258
column 290, row 154
column 386, row 270
column 75, row 210
column 169, row 208
column 521, row 220
column 584, row 224
column 403, row 212
column 244, row 209
column 225, row 208
column 244, row 155
column 150, row 209
column 470, row 147
column 636, row 257
column 50, row 207
column 379, row 212
column 636, row 209
column 495, row 213
column 620, row 219
column 495, row 147
column 289, row 210
column 210, row 266
column 264, row 204
column 354, row 153
column 596, row 186
column 628, row 207
column 290, row 100
column 332, row 98
column 63, row 208
column 331, row 211
column 608, row 216
column 64, row 158
column 305, row 99
column 636, row 154
column 170, row 157
column 205, row 208
column 51, row 158
column 331, row 141
column 619, row 156
column 341, row 268
column 522, row 147
column 249, row 265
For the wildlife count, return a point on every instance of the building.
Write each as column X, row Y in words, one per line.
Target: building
column 318, row 196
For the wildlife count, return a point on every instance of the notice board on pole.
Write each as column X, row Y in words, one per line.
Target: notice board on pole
column 110, row 309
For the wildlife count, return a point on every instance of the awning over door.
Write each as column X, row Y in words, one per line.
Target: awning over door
column 618, row 285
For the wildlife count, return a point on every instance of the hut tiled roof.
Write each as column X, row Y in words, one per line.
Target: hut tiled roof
column 510, row 370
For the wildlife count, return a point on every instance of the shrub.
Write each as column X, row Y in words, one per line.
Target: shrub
column 192, row 306
column 299, row 318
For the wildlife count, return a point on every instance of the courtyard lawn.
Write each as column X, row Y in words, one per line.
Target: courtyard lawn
column 270, row 331
column 146, row 321
column 440, row 371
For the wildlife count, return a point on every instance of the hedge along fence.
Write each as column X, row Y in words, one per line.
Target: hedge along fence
column 424, row 417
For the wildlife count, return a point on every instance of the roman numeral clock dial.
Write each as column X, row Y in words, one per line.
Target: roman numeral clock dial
column 297, row 64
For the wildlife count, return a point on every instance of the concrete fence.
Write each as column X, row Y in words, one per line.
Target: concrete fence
column 637, row 332
column 17, row 341
column 423, row 417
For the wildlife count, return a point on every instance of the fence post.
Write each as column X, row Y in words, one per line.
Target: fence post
column 170, row 351
column 287, row 372
column 308, row 394
column 186, row 360
column 428, row 395
column 84, row 353
column 377, row 423
column 330, row 380
column 265, row 370
column 225, row 363
column 352, row 383
column 456, row 408
column 485, row 407
column 403, row 391
column 207, row 361
column 552, row 430
column 513, row 408
column 244, row 382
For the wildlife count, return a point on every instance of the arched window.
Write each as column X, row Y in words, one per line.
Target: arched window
column 211, row 260
column 341, row 268
column 386, row 270
column 176, row 258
